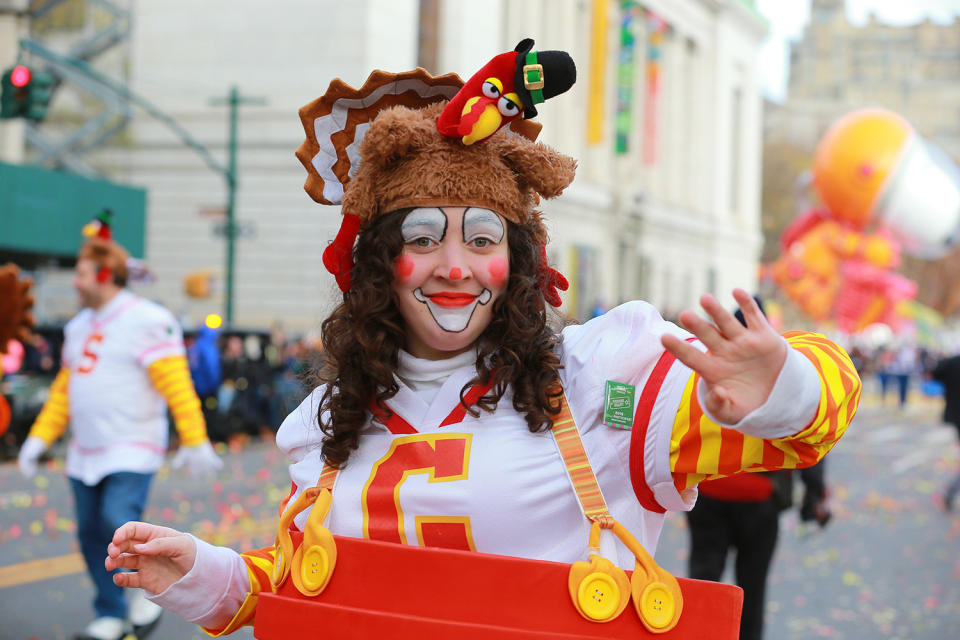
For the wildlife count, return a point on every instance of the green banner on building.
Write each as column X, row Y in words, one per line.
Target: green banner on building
column 43, row 211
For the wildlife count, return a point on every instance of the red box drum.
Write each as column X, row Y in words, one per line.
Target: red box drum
column 400, row 592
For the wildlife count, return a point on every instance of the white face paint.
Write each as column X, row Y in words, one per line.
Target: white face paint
column 452, row 313
column 482, row 224
column 422, row 225
column 454, row 263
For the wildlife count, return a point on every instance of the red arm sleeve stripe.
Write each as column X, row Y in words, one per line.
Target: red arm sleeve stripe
column 638, row 439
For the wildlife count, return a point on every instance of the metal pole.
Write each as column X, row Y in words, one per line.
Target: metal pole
column 231, row 176
column 234, row 100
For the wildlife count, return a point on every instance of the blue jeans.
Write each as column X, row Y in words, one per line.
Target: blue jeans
column 118, row 498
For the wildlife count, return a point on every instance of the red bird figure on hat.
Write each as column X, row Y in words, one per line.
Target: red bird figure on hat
column 504, row 89
column 100, row 227
column 485, row 103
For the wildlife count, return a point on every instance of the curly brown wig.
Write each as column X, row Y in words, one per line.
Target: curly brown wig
column 364, row 334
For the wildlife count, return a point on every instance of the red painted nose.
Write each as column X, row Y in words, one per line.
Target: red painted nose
column 455, row 274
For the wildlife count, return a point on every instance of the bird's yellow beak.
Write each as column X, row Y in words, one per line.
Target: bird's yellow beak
column 486, row 125
column 90, row 229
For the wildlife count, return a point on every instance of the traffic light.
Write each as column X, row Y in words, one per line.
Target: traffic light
column 25, row 93
column 15, row 92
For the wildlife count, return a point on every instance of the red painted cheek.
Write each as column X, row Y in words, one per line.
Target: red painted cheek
column 498, row 269
column 404, row 268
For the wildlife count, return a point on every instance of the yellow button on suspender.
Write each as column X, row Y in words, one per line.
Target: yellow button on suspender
column 315, row 559
column 314, row 568
column 656, row 605
column 599, row 597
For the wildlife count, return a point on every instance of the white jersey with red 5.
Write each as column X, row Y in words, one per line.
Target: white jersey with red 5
column 118, row 419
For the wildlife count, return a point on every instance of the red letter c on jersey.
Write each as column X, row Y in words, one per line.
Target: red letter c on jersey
column 444, row 457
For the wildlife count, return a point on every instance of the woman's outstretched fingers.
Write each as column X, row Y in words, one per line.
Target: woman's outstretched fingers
column 748, row 306
column 685, row 353
column 728, row 325
column 704, row 330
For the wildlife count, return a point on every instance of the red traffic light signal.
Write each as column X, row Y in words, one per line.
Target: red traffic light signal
column 25, row 93
column 20, row 76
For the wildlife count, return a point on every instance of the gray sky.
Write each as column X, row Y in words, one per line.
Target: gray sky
column 789, row 17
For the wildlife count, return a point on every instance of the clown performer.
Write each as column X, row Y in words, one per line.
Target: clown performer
column 123, row 364
column 454, row 414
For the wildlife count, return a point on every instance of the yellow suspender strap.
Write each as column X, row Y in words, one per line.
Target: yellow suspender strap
column 283, row 545
column 655, row 593
column 327, row 477
column 578, row 467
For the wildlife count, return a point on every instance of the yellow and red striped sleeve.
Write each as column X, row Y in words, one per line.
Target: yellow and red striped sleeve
column 701, row 449
column 55, row 415
column 259, row 569
column 170, row 376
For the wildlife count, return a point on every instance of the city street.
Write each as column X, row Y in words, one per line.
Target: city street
column 421, row 196
column 886, row 566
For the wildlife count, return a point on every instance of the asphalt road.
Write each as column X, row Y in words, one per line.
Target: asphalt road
column 886, row 566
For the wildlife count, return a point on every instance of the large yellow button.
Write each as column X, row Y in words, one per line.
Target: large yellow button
column 657, row 605
column 314, row 567
column 598, row 596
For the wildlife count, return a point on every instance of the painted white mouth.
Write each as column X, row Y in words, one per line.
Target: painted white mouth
column 452, row 319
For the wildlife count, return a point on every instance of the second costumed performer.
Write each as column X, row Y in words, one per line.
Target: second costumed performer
column 452, row 413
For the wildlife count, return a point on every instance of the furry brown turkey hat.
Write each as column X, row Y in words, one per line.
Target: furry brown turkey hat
column 405, row 162
column 377, row 149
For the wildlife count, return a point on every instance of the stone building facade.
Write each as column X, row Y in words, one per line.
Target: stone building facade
column 837, row 67
column 669, row 212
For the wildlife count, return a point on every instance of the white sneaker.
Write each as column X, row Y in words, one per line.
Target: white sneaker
column 105, row 628
column 142, row 612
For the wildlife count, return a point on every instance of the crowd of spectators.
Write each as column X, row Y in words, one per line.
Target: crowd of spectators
column 263, row 377
column 895, row 369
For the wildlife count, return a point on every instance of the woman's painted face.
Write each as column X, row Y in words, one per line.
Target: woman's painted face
column 454, row 264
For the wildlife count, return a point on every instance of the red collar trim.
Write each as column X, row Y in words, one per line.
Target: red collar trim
column 395, row 424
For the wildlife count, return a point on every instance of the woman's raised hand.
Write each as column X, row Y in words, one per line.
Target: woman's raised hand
column 158, row 556
column 742, row 362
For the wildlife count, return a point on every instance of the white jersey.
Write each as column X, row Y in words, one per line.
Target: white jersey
column 118, row 421
column 436, row 476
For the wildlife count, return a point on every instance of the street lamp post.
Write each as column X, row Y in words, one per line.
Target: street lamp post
column 234, row 100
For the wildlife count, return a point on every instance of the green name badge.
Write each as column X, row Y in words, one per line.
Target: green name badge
column 618, row 405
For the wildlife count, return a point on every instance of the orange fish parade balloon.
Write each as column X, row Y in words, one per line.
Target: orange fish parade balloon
column 883, row 188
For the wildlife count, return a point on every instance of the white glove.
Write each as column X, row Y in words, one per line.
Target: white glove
column 30, row 452
column 200, row 459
